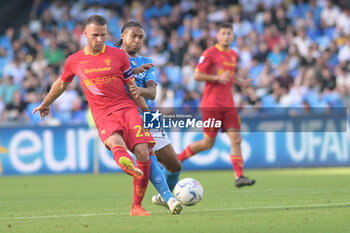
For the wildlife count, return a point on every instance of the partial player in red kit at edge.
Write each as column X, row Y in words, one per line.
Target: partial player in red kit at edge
column 217, row 67
column 102, row 72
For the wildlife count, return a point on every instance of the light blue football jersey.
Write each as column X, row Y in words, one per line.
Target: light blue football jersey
column 142, row 78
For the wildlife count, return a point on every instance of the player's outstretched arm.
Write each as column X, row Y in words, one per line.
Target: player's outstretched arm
column 142, row 68
column 224, row 76
column 57, row 88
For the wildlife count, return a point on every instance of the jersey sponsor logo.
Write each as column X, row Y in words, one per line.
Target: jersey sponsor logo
column 201, row 59
column 108, row 61
column 225, row 63
column 100, row 80
column 220, row 71
column 94, row 70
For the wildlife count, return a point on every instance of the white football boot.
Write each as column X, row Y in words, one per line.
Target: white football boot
column 173, row 205
column 158, row 200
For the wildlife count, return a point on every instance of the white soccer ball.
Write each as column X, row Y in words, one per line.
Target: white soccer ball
column 188, row 191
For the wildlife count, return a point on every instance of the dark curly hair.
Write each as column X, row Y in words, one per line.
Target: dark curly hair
column 127, row 25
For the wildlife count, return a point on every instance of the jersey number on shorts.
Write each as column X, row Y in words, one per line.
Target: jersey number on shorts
column 140, row 130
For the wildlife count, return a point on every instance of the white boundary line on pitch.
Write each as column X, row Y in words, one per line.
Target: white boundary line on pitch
column 347, row 204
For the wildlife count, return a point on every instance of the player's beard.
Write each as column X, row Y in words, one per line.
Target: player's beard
column 133, row 50
column 227, row 45
column 98, row 47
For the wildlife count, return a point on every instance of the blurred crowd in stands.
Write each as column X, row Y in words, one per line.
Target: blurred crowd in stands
column 296, row 52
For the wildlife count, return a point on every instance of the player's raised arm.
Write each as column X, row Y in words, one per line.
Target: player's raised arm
column 57, row 88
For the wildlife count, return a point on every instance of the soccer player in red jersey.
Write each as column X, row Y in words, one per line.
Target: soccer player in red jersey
column 217, row 67
column 102, row 72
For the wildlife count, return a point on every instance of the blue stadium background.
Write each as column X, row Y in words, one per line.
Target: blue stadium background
column 297, row 53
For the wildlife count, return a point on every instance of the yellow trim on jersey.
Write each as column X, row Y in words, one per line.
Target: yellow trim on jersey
column 225, row 63
column 221, row 49
column 102, row 51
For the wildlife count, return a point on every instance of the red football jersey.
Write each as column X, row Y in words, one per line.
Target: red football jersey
column 216, row 60
column 102, row 77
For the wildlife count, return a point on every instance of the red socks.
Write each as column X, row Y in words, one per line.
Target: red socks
column 185, row 154
column 237, row 163
column 120, row 151
column 140, row 185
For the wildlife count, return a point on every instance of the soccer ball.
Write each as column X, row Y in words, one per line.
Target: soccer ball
column 188, row 191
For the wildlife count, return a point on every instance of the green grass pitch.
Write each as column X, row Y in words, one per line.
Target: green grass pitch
column 283, row 200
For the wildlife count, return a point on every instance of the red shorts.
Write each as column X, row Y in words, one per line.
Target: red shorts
column 128, row 123
column 228, row 116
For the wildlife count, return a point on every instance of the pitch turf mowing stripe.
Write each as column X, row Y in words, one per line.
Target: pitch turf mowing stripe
column 246, row 193
column 291, row 207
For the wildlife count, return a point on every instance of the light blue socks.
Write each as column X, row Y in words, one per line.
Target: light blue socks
column 171, row 177
column 158, row 179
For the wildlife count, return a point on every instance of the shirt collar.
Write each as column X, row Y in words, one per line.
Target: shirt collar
column 102, row 51
column 221, row 48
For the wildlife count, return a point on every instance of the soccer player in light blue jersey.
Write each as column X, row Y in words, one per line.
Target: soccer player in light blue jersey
column 164, row 179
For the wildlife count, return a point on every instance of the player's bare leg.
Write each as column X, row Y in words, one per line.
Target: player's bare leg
column 168, row 158
column 236, row 158
column 205, row 144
